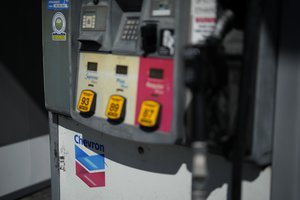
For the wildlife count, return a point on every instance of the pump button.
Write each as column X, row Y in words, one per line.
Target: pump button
column 87, row 103
column 150, row 114
column 115, row 111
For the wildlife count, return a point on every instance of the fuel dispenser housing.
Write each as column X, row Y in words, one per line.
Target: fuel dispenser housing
column 57, row 53
column 125, row 49
column 148, row 77
column 115, row 76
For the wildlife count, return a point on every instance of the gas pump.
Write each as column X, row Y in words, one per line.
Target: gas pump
column 138, row 82
column 127, row 67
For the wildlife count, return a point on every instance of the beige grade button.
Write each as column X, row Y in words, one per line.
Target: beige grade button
column 115, row 108
column 86, row 103
column 149, row 114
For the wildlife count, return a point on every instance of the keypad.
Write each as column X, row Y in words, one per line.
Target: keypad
column 130, row 30
column 89, row 21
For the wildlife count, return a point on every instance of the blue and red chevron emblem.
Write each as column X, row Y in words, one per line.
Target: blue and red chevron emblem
column 90, row 168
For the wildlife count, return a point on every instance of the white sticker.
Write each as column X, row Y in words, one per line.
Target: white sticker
column 203, row 16
column 59, row 27
column 167, row 43
column 161, row 12
column 162, row 8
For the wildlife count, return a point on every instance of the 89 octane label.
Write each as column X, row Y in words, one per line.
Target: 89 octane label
column 115, row 107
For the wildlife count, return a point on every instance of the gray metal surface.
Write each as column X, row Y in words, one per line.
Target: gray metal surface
column 265, row 90
column 123, row 46
column 286, row 150
column 101, row 37
column 56, row 63
column 54, row 156
column 168, row 22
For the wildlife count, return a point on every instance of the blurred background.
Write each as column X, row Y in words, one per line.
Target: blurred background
column 24, row 143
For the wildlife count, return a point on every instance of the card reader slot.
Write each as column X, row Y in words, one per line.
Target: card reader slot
column 90, row 46
column 149, row 37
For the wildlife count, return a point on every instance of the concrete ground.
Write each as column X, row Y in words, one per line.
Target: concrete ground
column 41, row 195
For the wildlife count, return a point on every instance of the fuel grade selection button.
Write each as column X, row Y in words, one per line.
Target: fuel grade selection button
column 87, row 103
column 149, row 115
column 116, row 108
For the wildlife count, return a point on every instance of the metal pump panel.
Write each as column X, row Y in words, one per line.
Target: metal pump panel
column 128, row 82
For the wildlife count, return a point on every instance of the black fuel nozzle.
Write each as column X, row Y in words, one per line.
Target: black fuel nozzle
column 206, row 77
column 205, row 72
column 223, row 26
column 199, row 78
column 197, row 63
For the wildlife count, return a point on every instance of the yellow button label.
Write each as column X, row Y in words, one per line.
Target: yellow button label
column 85, row 101
column 149, row 114
column 115, row 107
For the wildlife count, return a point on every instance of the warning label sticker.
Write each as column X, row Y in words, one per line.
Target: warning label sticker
column 58, row 4
column 203, row 16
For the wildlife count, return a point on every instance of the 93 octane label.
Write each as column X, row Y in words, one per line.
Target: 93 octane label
column 149, row 114
column 115, row 107
column 85, row 101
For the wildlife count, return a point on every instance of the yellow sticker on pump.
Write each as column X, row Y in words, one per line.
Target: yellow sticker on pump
column 149, row 114
column 86, row 101
column 115, row 107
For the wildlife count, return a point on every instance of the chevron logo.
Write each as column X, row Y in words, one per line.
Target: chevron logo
column 90, row 168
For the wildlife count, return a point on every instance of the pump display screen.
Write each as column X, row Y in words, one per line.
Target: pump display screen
column 91, row 66
column 157, row 73
column 122, row 69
